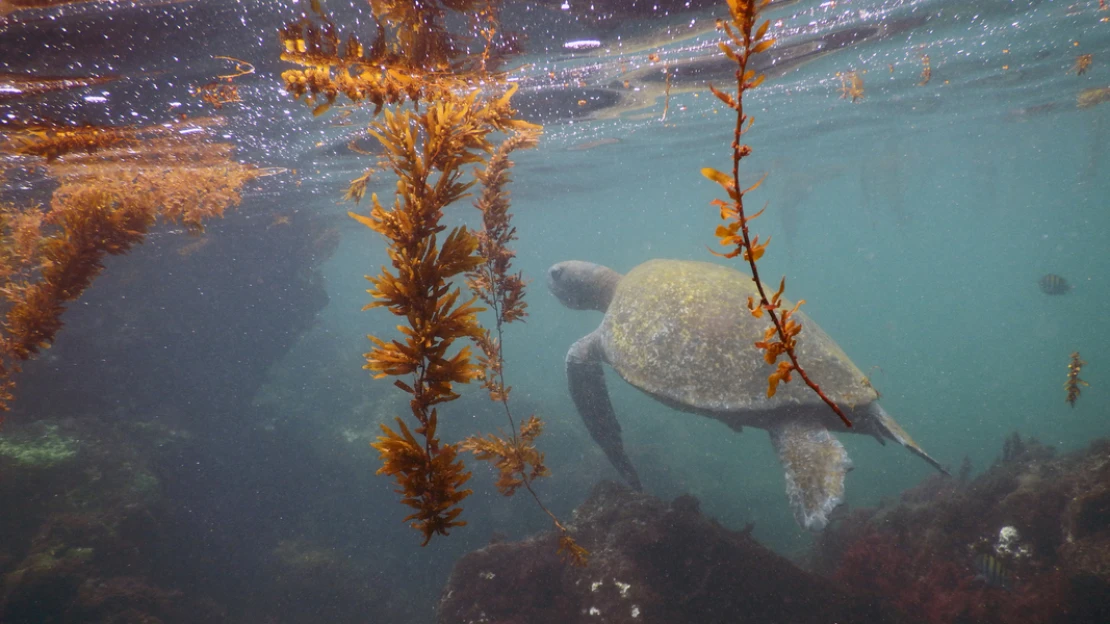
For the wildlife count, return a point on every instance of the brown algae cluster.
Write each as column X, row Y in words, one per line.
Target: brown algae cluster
column 113, row 184
column 441, row 105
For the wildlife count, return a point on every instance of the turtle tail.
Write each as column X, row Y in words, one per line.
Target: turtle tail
column 884, row 426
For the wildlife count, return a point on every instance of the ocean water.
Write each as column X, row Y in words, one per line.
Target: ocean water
column 915, row 222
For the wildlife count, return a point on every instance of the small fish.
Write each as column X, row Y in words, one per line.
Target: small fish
column 991, row 570
column 1053, row 284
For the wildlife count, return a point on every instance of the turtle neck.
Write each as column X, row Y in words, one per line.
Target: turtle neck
column 606, row 280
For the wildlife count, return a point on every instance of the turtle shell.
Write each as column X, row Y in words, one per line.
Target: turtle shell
column 681, row 331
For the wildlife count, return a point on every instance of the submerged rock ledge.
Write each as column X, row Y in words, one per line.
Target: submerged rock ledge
column 650, row 561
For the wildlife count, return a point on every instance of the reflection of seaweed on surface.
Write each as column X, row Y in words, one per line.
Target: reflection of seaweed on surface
column 926, row 72
column 106, row 200
column 52, row 141
column 745, row 44
column 217, row 93
column 413, row 56
column 16, row 86
column 1093, row 97
column 851, row 85
column 222, row 91
column 1072, row 384
column 1082, row 64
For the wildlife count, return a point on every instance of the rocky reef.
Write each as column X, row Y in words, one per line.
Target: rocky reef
column 84, row 526
column 650, row 561
column 1042, row 519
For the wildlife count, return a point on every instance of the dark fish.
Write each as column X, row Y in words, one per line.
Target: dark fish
column 991, row 570
column 1053, row 284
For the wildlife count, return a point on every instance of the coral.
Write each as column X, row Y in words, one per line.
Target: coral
column 743, row 15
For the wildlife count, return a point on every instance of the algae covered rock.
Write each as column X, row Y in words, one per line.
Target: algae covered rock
column 649, row 562
column 1040, row 519
column 37, row 447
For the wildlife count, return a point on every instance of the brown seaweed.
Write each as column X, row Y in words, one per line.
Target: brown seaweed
column 515, row 456
column 413, row 56
column 1071, row 386
column 113, row 184
column 851, row 85
column 457, row 100
column 428, row 151
column 1082, row 64
column 222, row 90
column 1094, row 96
column 780, row 338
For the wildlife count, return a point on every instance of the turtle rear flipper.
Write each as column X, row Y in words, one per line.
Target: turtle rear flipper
column 884, row 425
column 815, row 464
column 586, row 380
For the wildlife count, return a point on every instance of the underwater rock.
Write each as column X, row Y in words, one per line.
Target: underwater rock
column 314, row 583
column 1045, row 520
column 84, row 525
column 170, row 312
column 38, row 447
column 649, row 562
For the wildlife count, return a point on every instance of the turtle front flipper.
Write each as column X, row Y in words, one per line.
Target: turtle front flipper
column 885, row 426
column 815, row 464
column 587, row 387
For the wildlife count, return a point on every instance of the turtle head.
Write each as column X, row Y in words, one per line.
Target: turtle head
column 582, row 285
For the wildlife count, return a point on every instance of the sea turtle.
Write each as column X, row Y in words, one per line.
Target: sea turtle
column 681, row 332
